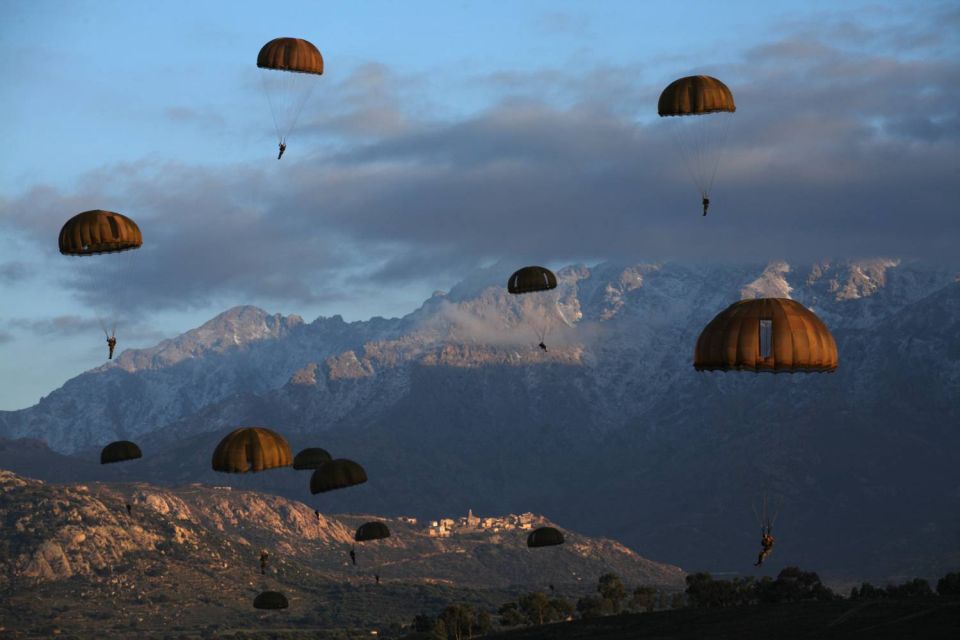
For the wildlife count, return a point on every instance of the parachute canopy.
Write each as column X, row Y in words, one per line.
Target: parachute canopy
column 695, row 95
column 271, row 600
column 311, row 458
column 530, row 279
column 337, row 474
column 544, row 537
column 99, row 231
column 776, row 335
column 251, row 449
column 120, row 451
column 290, row 69
column 372, row 531
column 290, row 54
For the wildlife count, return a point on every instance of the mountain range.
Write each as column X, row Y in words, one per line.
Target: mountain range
column 609, row 431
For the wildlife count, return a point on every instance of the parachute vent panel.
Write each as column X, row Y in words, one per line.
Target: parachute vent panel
column 291, row 54
column 799, row 341
column 251, row 449
column 695, row 95
column 99, row 231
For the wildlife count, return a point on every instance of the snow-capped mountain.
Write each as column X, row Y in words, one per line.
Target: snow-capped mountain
column 455, row 407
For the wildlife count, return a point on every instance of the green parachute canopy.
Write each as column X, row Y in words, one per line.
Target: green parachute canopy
column 337, row 474
column 544, row 537
column 120, row 451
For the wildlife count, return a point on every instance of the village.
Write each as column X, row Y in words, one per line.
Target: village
column 446, row 527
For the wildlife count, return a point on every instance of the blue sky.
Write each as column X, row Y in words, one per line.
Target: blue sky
column 436, row 126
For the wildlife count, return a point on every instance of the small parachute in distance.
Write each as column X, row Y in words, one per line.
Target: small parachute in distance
column 541, row 307
column 697, row 105
column 311, row 458
column 544, row 537
column 120, row 451
column 372, row 531
column 290, row 68
column 271, row 600
column 337, row 474
column 251, row 449
column 531, row 279
column 98, row 231
column 772, row 335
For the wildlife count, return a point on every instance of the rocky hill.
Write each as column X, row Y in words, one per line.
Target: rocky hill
column 71, row 558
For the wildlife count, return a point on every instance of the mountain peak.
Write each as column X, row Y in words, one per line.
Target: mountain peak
column 772, row 283
column 234, row 328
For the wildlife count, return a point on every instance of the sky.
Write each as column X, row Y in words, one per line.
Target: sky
column 444, row 136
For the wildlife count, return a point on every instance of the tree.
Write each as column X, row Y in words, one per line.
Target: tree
column 949, row 585
column 678, row 601
column 423, row 622
column 536, row 607
column 792, row 585
column 560, row 609
column 458, row 620
column 867, row 592
column 612, row 590
column 483, row 623
column 916, row 588
column 590, row 607
column 644, row 599
column 510, row 615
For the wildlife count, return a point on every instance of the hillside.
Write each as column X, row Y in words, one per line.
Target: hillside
column 188, row 558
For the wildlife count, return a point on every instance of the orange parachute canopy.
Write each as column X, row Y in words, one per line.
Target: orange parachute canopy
column 695, row 95
column 251, row 449
column 775, row 335
column 291, row 54
column 99, row 231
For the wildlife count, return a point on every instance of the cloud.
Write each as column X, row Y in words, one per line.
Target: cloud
column 841, row 146
column 65, row 326
column 69, row 326
column 206, row 118
column 13, row 272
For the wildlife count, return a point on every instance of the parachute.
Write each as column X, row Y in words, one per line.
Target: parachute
column 541, row 308
column 311, row 459
column 337, row 474
column 98, row 231
column 251, row 449
column 368, row 532
column 290, row 68
column 530, row 279
column 120, row 451
column 776, row 335
column 544, row 537
column 271, row 600
column 698, row 107
column 371, row 531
